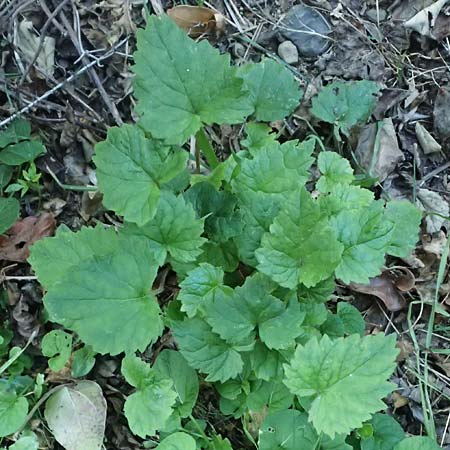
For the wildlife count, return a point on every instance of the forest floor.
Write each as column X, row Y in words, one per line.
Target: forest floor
column 65, row 66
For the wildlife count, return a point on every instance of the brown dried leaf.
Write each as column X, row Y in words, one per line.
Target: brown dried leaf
column 15, row 243
column 384, row 288
column 405, row 281
column 383, row 158
column 195, row 20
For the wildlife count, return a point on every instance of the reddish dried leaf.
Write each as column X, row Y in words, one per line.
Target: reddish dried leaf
column 195, row 20
column 384, row 288
column 15, row 243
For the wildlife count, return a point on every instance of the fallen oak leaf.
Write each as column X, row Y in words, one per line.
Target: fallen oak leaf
column 15, row 243
column 383, row 287
column 195, row 20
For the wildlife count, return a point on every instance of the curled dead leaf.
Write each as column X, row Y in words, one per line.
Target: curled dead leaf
column 195, row 20
column 15, row 243
column 404, row 279
column 384, row 287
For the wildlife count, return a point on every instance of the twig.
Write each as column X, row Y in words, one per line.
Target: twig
column 42, row 33
column 39, row 403
column 61, row 84
column 93, row 74
column 433, row 173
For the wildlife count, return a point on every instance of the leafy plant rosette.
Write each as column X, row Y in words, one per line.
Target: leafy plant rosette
column 266, row 341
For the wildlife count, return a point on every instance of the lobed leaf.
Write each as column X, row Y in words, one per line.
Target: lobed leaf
column 181, row 84
column 149, row 409
column 206, row 351
column 335, row 170
column 131, row 169
column 346, row 379
column 365, row 235
column 274, row 92
column 301, row 246
column 235, row 316
column 345, row 104
column 406, row 218
column 174, row 230
column 90, row 292
column 200, row 287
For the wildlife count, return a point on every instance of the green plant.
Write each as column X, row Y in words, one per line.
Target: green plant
column 16, row 148
column 29, row 181
column 262, row 335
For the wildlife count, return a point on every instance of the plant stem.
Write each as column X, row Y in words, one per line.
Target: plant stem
column 200, row 430
column 206, row 147
column 70, row 187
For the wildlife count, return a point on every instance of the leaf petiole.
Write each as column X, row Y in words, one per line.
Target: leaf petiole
column 205, row 146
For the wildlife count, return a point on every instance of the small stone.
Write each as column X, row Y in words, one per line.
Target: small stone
column 288, row 52
column 308, row 29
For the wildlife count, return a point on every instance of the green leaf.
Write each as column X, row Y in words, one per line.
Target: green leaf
column 257, row 215
column 170, row 364
column 345, row 104
column 365, row 236
column 351, row 319
column 91, row 292
column 22, row 152
column 9, row 212
column 333, row 326
column 235, row 317
column 345, row 197
column 206, row 351
column 272, row 396
column 177, row 441
column 320, row 293
column 174, row 229
column 25, row 443
column 218, row 443
column 275, row 170
column 266, row 363
column 406, row 218
column 57, row 345
column 334, row 169
column 13, row 411
column 222, row 221
column 339, row 443
column 6, row 173
column 417, row 443
column 301, row 246
column 55, row 257
column 18, row 130
column 287, row 430
column 274, row 92
column 259, row 136
column 149, row 409
column 138, row 373
column 346, row 377
column 83, row 360
column 387, row 432
column 200, row 287
column 181, row 84
column 131, row 169
column 221, row 254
